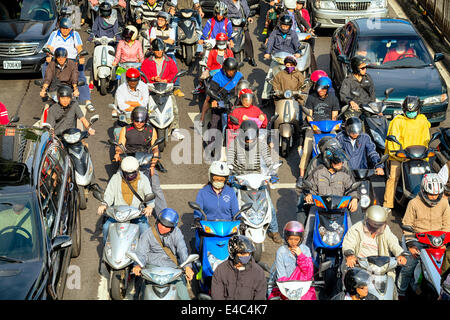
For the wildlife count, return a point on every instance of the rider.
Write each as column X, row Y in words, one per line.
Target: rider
column 428, row 211
column 271, row 15
column 4, row 118
column 138, row 137
column 359, row 147
column 283, row 39
column 250, row 153
column 239, row 277
column 410, row 128
column 247, row 111
column 217, row 200
column 63, row 115
column 129, row 48
column 360, row 81
column 132, row 93
column 292, row 261
column 218, row 24
column 356, row 282
column 290, row 78
column 297, row 17
column 119, row 191
column 105, row 25
column 148, row 11
column 164, row 246
column 174, row 5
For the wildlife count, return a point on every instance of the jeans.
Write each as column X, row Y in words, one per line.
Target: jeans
column 407, row 271
column 141, row 221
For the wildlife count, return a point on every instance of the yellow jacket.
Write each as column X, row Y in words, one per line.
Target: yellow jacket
column 409, row 132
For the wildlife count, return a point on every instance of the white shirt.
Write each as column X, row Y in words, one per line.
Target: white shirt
column 70, row 43
column 171, row 35
column 124, row 94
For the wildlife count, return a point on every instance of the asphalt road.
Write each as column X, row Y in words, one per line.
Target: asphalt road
column 181, row 182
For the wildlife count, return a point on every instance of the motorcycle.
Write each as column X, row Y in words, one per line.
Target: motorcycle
column 208, row 45
column 161, row 102
column 443, row 149
column 326, row 227
column 252, row 188
column 413, row 168
column 188, row 35
column 211, row 242
column 427, row 274
column 104, row 55
column 239, row 26
column 160, row 282
column 123, row 236
column 93, row 10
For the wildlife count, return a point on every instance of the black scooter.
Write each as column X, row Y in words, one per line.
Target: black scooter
column 188, row 35
column 443, row 149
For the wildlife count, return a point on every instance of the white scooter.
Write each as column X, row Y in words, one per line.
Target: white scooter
column 104, row 55
column 381, row 284
column 253, row 189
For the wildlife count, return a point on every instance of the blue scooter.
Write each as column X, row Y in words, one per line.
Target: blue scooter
column 211, row 242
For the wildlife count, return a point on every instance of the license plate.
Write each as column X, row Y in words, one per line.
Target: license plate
column 397, row 112
column 12, row 65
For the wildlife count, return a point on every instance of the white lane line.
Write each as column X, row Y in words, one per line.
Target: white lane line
column 194, row 186
column 102, row 293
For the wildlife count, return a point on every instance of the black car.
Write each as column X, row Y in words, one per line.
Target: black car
column 40, row 227
column 25, row 26
column 208, row 5
column 412, row 73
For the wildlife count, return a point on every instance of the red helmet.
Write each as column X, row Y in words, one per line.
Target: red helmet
column 221, row 37
column 133, row 74
column 316, row 75
column 246, row 93
column 221, row 41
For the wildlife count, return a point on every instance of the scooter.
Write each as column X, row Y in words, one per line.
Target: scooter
column 443, row 149
column 161, row 102
column 123, row 236
column 104, row 55
column 381, row 285
column 160, row 282
column 211, row 242
column 304, row 62
column 93, row 10
column 208, row 45
column 295, row 289
column 81, row 158
column 252, row 188
column 239, row 26
column 326, row 227
column 427, row 274
column 188, row 35
column 413, row 168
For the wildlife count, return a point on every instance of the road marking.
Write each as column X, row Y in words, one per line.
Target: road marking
column 197, row 186
column 102, row 292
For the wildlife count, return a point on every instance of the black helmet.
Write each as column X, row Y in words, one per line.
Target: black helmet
column 353, row 125
column 60, row 52
column 285, row 20
column 355, row 62
column 64, row 91
column 158, row 45
column 355, row 278
column 105, row 9
column 332, row 155
column 65, row 23
column 139, row 114
column 328, row 142
column 239, row 244
column 230, row 64
column 248, row 133
column 411, row 104
column 290, row 59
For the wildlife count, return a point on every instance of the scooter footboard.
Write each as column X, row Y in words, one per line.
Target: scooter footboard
column 154, row 292
column 257, row 235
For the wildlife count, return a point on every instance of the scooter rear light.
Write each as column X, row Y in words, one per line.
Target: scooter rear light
column 401, row 155
column 319, row 204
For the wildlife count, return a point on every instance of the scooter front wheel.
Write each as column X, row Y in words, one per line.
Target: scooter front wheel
column 258, row 252
column 104, row 84
column 119, row 284
column 83, row 200
column 162, row 133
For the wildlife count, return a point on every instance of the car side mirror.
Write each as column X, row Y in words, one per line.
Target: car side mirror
column 61, row 242
column 438, row 57
column 343, row 59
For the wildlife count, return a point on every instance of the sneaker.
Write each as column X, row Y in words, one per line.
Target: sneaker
column 176, row 134
column 114, row 114
column 178, row 93
column 275, row 236
column 264, row 31
column 90, row 107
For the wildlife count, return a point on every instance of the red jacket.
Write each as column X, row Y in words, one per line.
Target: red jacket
column 212, row 63
column 169, row 67
column 251, row 112
column 3, row 114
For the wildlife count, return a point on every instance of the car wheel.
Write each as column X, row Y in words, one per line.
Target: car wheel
column 76, row 235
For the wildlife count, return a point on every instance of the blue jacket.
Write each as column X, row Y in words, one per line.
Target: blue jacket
column 279, row 42
column 222, row 206
column 219, row 27
column 364, row 151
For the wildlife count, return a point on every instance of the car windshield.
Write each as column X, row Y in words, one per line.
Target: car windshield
column 26, row 10
column 19, row 236
column 393, row 52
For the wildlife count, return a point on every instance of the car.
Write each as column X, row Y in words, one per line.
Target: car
column 25, row 26
column 40, row 226
column 336, row 13
column 413, row 73
column 208, row 5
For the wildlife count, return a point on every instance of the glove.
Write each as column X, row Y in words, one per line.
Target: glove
column 274, row 179
column 231, row 179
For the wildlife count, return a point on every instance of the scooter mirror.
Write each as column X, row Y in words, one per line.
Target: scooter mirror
column 241, row 64
column 112, row 53
column 144, row 35
column 14, row 119
column 252, row 13
column 388, row 92
column 246, row 206
column 133, row 256
column 234, row 120
column 94, row 119
column 158, row 142
column 384, row 158
column 393, row 139
column 181, row 73
column 234, row 34
column 317, row 25
column 434, row 136
column 81, row 83
column 407, row 228
column 307, row 185
column 83, row 53
column 274, row 117
column 47, row 50
column 356, row 93
column 354, row 186
column 46, row 125
column 149, row 197
column 325, row 266
column 112, row 106
column 343, row 59
column 302, row 47
column 98, row 195
column 203, row 296
column 38, row 82
column 194, row 205
column 191, row 258
column 199, row 32
column 306, row 111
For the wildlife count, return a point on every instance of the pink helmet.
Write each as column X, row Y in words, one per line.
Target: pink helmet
column 293, row 228
column 316, row 75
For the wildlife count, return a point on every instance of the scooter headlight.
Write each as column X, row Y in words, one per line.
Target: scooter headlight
column 108, row 249
column 377, row 137
column 337, row 127
column 186, row 14
column 168, row 114
column 72, row 138
column 208, row 229
column 331, row 238
column 256, row 217
column 365, row 201
column 213, row 261
column 294, row 294
column 288, row 94
column 160, row 279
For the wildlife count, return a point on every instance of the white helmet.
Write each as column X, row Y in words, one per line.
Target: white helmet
column 219, row 168
column 290, row 4
column 431, row 184
column 129, row 164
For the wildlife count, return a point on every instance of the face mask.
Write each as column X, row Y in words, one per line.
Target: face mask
column 245, row 259
column 411, row 114
column 290, row 69
column 222, row 47
column 130, row 176
column 218, row 184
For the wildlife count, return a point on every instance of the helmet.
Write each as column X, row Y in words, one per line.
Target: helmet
column 105, row 9
column 133, row 74
column 290, row 4
column 129, row 168
column 218, row 168
column 285, row 20
column 242, row 84
column 246, row 93
column 60, row 52
column 64, row 91
column 158, row 45
column 333, row 155
column 376, row 217
column 301, row 1
column 328, row 142
column 290, row 59
column 220, row 9
column 139, row 114
column 353, row 125
column 316, row 75
column 323, row 83
column 239, row 244
column 293, row 228
column 168, row 217
column 248, row 133
column 355, row 278
column 221, row 40
column 65, row 23
column 230, row 64
column 411, row 104
column 431, row 184
column 164, row 15
column 129, row 33
column 355, row 62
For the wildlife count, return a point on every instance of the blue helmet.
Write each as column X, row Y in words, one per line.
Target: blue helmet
column 60, row 52
column 323, row 83
column 168, row 217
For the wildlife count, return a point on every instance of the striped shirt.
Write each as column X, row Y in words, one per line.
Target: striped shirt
column 149, row 12
column 73, row 40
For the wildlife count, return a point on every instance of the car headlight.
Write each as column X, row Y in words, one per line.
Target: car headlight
column 377, row 4
column 365, row 201
column 418, row 170
column 435, row 99
column 288, row 94
column 325, row 4
column 213, row 261
column 72, row 138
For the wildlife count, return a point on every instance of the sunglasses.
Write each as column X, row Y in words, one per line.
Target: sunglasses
column 363, row 68
column 139, row 121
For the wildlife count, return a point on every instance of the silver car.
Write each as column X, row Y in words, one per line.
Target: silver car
column 335, row 13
